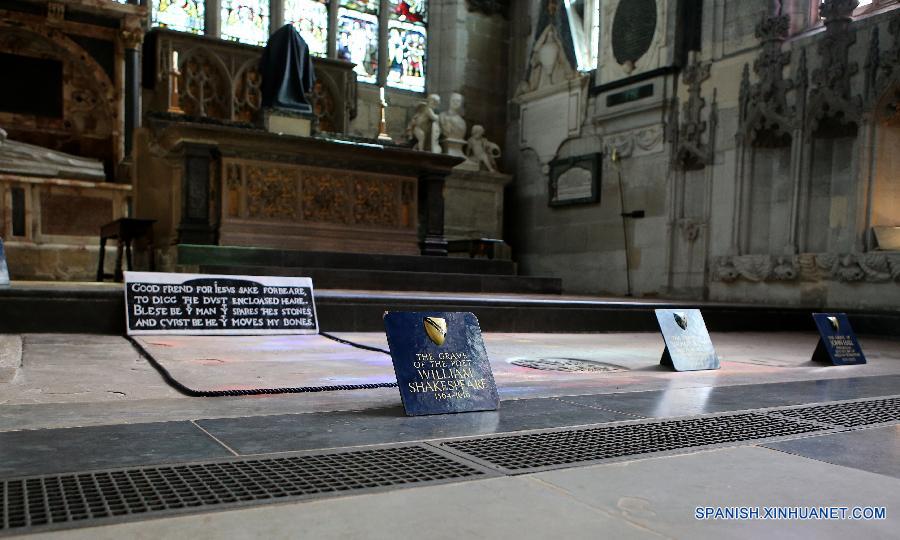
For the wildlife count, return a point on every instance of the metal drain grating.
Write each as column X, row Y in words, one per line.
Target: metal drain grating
column 858, row 413
column 66, row 498
column 555, row 448
column 565, row 364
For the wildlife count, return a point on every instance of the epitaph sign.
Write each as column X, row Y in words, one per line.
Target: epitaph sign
column 198, row 304
column 688, row 345
column 440, row 362
column 837, row 343
column 4, row 270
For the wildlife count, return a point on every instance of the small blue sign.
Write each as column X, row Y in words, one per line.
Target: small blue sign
column 837, row 342
column 440, row 362
column 688, row 345
column 4, row 270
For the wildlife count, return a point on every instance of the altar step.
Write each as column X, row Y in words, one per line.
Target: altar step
column 100, row 308
column 389, row 280
column 198, row 255
column 363, row 271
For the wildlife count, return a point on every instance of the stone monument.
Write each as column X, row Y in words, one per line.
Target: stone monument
column 453, row 127
column 425, row 126
column 481, row 154
column 287, row 78
column 31, row 160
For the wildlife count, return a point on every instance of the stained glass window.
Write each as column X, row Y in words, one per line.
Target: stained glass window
column 310, row 18
column 182, row 15
column 357, row 42
column 415, row 11
column 246, row 21
column 407, row 44
column 366, row 6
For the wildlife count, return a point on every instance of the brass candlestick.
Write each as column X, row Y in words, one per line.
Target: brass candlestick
column 174, row 75
column 382, row 127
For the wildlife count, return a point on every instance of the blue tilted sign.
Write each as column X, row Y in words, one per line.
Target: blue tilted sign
column 440, row 362
column 837, row 343
column 688, row 346
column 4, row 270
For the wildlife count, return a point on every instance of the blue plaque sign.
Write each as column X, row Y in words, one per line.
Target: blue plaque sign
column 4, row 271
column 837, row 342
column 688, row 346
column 440, row 362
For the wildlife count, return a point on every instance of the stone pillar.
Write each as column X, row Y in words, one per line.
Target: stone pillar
column 132, row 43
column 431, row 214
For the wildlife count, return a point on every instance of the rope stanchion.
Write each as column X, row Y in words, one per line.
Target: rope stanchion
column 177, row 385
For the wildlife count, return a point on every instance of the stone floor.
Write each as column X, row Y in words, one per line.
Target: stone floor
column 74, row 403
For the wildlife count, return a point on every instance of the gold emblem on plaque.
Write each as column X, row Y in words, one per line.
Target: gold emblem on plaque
column 436, row 328
column 681, row 319
column 834, row 323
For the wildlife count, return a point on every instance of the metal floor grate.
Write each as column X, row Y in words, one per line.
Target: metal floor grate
column 566, row 447
column 66, row 498
column 858, row 413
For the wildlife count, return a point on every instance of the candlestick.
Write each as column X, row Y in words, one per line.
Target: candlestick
column 382, row 127
column 174, row 98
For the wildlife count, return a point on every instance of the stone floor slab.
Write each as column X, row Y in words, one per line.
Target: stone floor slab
column 875, row 450
column 24, row 453
column 662, row 494
column 283, row 433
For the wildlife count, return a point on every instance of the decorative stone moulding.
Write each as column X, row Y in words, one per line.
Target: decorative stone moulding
column 809, row 267
column 553, row 98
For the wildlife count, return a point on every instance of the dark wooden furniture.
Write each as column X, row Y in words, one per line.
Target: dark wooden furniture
column 125, row 231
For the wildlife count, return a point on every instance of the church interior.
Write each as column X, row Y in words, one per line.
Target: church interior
column 654, row 246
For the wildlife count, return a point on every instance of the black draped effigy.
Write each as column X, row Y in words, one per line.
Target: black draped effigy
column 287, row 71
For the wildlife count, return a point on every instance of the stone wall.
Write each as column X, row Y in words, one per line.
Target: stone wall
column 760, row 173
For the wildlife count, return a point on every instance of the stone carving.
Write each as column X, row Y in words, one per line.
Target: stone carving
column 453, row 127
column 831, row 107
column 766, row 119
column 325, row 198
column 489, row 7
column 548, row 65
column 271, row 193
column 848, row 267
column 204, row 85
column 883, row 72
column 30, row 160
column 424, row 127
column 247, row 97
column 480, row 152
column 691, row 152
column 637, row 142
column 323, row 106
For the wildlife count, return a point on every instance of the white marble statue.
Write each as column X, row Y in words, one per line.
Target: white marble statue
column 425, row 127
column 30, row 160
column 453, row 127
column 481, row 154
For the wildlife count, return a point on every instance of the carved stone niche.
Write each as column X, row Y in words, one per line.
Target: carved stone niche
column 219, row 80
column 553, row 97
column 694, row 137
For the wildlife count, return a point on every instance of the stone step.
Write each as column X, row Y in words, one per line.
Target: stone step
column 197, row 255
column 387, row 280
column 30, row 308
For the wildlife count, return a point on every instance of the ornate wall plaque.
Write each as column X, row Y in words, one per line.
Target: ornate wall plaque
column 575, row 180
column 633, row 28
